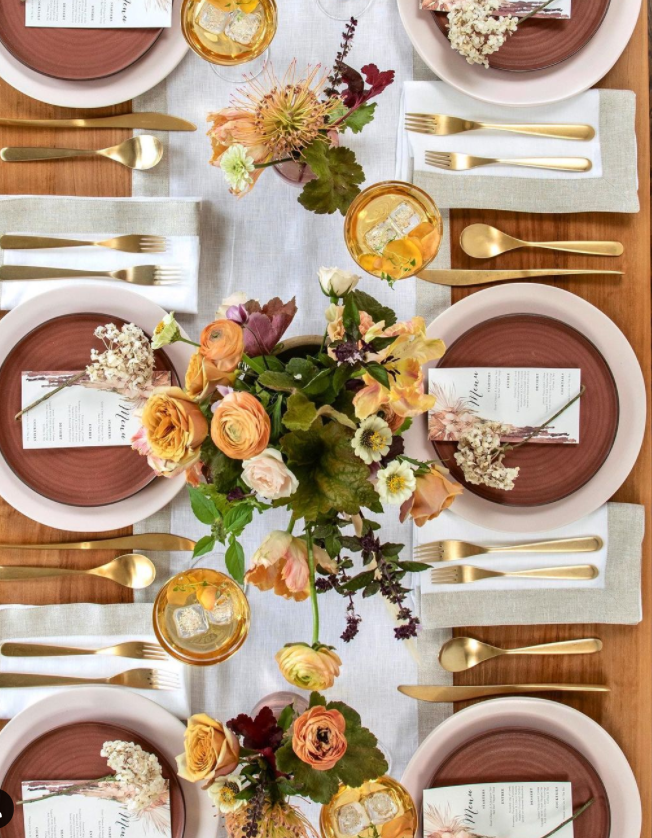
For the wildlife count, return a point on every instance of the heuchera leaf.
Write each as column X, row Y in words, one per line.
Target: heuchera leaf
column 266, row 325
column 259, row 733
column 359, row 118
column 374, row 309
column 300, row 413
column 337, row 182
column 356, row 94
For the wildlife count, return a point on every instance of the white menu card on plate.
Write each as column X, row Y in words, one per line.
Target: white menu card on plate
column 99, row 14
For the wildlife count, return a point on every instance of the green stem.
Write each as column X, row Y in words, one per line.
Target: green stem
column 579, row 812
column 69, row 382
column 185, row 340
column 273, row 163
column 313, row 590
column 509, row 447
column 293, row 521
column 535, row 11
column 67, row 791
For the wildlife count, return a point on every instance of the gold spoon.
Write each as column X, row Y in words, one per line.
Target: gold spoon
column 484, row 242
column 462, row 653
column 142, row 152
column 131, row 570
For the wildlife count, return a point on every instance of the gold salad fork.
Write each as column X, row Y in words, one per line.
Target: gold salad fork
column 137, row 679
column 452, row 161
column 451, row 550
column 135, row 649
column 440, row 125
column 137, row 275
column 126, row 244
column 461, row 574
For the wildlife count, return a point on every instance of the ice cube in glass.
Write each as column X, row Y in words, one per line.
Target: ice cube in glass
column 380, row 235
column 213, row 20
column 221, row 614
column 381, row 807
column 351, row 819
column 242, row 28
column 190, row 621
column 405, row 218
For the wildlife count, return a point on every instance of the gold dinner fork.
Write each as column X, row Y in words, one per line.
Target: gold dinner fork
column 137, row 275
column 451, row 550
column 126, row 244
column 461, row 574
column 454, row 162
column 440, row 125
column 135, row 649
column 137, row 679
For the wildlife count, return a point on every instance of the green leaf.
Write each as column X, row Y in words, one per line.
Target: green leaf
column 389, row 549
column 203, row 507
column 237, row 518
column 371, row 589
column 223, row 472
column 360, row 117
column 316, row 700
column 319, row 383
column 320, row 786
column 286, row 716
column 378, row 372
column 337, row 182
column 414, row 567
column 302, row 370
column 337, row 415
column 360, row 581
column 256, row 364
column 333, row 546
column 205, row 545
column 374, row 309
column 352, row 543
column 407, row 424
column 277, row 381
column 235, row 560
column 276, row 416
column 351, row 316
column 300, row 413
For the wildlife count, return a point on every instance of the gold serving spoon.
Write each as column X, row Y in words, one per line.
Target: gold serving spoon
column 131, row 571
column 482, row 241
column 462, row 653
column 142, row 152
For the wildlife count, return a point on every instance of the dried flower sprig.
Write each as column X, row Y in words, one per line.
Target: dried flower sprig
column 335, row 78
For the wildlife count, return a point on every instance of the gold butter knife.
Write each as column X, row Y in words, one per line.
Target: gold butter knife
column 144, row 541
column 447, row 694
column 146, row 120
column 460, row 278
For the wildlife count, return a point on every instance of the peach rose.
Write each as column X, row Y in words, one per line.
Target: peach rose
column 308, row 668
column 203, row 377
column 268, row 475
column 222, row 343
column 434, row 493
column 318, row 738
column 174, row 425
column 281, row 563
column 240, row 427
column 210, row 750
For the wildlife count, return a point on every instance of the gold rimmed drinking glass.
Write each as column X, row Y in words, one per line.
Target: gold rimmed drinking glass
column 379, row 807
column 201, row 617
column 230, row 33
column 393, row 229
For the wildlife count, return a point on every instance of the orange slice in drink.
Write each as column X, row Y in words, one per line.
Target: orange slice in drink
column 403, row 256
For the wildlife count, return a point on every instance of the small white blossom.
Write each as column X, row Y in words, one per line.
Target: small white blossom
column 223, row 793
column 136, row 771
column 237, row 166
column 167, row 331
column 396, row 483
column 480, row 455
column 372, row 439
column 127, row 364
column 475, row 33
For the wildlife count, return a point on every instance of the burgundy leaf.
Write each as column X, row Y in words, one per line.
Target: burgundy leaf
column 377, row 79
column 257, row 734
column 266, row 325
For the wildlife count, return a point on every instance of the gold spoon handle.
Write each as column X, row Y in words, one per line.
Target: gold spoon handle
column 586, row 646
column 590, row 248
column 21, row 154
column 564, row 164
column 583, row 544
column 561, row 132
column 575, row 572
column 13, row 574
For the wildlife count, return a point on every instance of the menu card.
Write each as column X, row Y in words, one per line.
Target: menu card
column 560, row 10
column 99, row 14
column 90, row 813
column 82, row 415
column 507, row 810
column 522, row 398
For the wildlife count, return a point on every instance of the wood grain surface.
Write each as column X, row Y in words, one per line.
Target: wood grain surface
column 625, row 664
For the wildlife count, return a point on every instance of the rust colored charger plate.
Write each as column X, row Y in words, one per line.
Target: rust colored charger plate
column 549, row 472
column 521, row 755
column 71, row 54
column 542, row 42
column 73, row 476
column 72, row 752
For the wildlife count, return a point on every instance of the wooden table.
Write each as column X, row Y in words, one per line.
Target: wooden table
column 626, row 662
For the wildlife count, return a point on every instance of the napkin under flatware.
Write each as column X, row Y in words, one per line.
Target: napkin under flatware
column 96, row 219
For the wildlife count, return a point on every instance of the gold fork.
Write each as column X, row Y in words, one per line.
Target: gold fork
column 451, row 550
column 137, row 275
column 134, row 649
column 461, row 574
column 441, row 125
column 452, row 161
column 126, row 244
column 137, row 679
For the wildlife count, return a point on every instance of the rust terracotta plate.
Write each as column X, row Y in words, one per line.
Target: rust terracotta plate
column 542, row 43
column 522, row 755
column 72, row 476
column 549, row 472
column 72, row 54
column 72, row 752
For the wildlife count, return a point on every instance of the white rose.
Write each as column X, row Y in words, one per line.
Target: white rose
column 238, row 298
column 336, row 281
column 268, row 475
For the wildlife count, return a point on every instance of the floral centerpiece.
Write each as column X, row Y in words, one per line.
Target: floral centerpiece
column 319, row 435
column 299, row 119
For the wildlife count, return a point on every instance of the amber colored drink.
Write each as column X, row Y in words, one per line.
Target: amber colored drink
column 378, row 809
column 201, row 617
column 393, row 230
column 229, row 32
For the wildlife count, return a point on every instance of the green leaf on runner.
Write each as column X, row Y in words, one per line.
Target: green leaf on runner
column 235, row 560
column 338, row 178
column 359, row 118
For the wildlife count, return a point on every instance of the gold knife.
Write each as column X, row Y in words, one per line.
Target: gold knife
column 145, row 541
column 460, row 278
column 148, row 121
column 447, row 694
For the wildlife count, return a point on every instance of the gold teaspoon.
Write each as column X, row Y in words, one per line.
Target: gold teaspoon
column 142, row 152
column 131, row 571
column 462, row 653
column 484, row 242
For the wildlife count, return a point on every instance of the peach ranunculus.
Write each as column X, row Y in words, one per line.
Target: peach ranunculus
column 281, row 564
column 434, row 493
column 318, row 738
column 240, row 426
column 174, row 425
column 268, row 475
column 233, row 125
column 308, row 668
column 203, row 377
column 210, row 750
column 222, row 342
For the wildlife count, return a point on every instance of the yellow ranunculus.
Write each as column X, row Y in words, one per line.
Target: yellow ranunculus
column 174, row 425
column 203, row 377
column 308, row 668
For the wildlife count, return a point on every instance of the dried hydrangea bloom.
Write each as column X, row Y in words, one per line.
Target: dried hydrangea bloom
column 127, row 363
column 475, row 33
column 480, row 455
column 137, row 772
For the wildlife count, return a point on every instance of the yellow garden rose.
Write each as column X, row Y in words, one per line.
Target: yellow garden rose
column 174, row 425
column 203, row 376
column 308, row 668
column 222, row 343
column 210, row 750
column 240, row 426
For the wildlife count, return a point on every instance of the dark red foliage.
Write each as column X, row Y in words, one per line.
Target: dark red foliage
column 356, row 93
column 259, row 734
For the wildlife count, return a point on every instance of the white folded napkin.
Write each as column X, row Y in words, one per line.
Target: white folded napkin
column 435, row 97
column 12, row 701
column 451, row 526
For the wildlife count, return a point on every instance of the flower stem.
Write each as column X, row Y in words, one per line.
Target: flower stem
column 535, row 11
column 579, row 812
column 273, row 163
column 185, row 340
column 66, row 791
column 313, row 590
column 509, row 447
column 72, row 380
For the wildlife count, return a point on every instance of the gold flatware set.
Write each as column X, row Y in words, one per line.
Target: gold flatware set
column 131, row 571
column 464, row 574
column 136, row 275
column 462, row 653
column 451, row 550
column 136, row 679
column 460, row 278
column 455, row 162
column 145, row 541
column 146, row 120
column 437, row 694
column 441, row 125
column 134, row 649
column 482, row 241
column 125, row 244
column 142, row 153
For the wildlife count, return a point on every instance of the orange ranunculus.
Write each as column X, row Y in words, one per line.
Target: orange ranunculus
column 281, row 563
column 174, row 425
column 222, row 343
column 434, row 493
column 203, row 377
column 240, row 427
column 210, row 750
column 308, row 668
column 318, row 738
